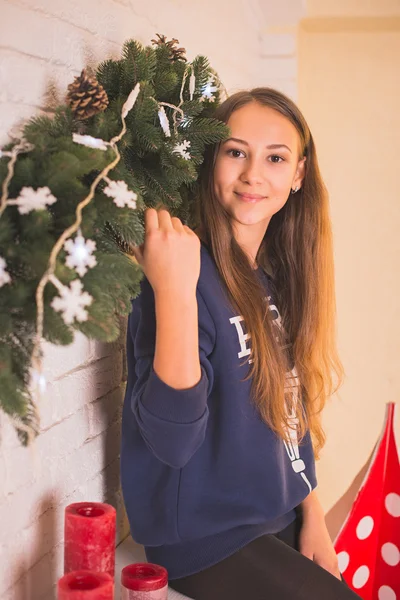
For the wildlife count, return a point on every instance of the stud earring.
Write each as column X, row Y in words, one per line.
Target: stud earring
column 296, row 189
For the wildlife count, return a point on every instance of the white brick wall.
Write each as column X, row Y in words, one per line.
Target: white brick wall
column 43, row 45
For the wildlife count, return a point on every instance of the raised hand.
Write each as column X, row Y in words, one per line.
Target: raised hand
column 170, row 254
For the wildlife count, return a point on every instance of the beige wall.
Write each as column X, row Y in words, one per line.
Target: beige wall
column 349, row 90
column 352, row 8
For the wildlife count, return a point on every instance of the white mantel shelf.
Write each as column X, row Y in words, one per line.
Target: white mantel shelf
column 129, row 552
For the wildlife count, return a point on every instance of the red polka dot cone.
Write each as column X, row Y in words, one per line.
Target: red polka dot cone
column 368, row 545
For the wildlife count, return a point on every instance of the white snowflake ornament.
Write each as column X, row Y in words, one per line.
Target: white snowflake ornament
column 118, row 190
column 4, row 276
column 71, row 302
column 30, row 199
column 80, row 254
column 208, row 90
column 181, row 149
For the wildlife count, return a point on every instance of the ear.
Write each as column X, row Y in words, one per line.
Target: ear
column 300, row 173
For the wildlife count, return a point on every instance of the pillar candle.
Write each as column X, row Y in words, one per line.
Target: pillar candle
column 89, row 537
column 144, row 581
column 85, row 585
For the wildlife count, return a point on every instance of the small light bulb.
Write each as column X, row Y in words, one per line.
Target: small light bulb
column 39, row 382
column 96, row 143
column 42, row 384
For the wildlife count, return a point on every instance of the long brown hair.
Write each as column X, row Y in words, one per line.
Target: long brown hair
column 298, row 246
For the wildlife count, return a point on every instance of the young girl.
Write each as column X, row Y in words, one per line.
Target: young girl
column 231, row 357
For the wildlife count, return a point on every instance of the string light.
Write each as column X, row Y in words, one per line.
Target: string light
column 164, row 119
column 91, row 142
column 130, row 100
column 80, row 254
column 164, row 122
column 192, row 84
column 37, row 353
column 38, row 382
column 21, row 147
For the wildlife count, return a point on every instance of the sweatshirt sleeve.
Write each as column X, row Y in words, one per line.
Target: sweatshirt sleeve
column 172, row 422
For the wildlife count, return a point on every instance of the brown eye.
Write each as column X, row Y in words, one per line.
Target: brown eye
column 278, row 157
column 234, row 153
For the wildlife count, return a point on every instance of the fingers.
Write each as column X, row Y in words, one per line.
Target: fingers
column 333, row 569
column 157, row 219
column 334, row 572
column 161, row 219
column 188, row 230
column 150, row 219
column 338, row 574
column 164, row 220
column 177, row 224
column 308, row 554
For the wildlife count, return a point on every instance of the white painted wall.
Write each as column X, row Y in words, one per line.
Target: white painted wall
column 43, row 45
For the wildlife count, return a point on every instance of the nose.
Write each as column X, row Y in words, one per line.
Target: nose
column 252, row 172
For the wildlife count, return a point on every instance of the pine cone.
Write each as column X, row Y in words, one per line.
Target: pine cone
column 162, row 39
column 178, row 54
column 174, row 52
column 86, row 96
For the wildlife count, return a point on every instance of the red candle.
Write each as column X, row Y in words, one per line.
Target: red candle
column 85, row 585
column 144, row 581
column 89, row 537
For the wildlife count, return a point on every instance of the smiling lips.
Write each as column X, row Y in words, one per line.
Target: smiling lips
column 250, row 197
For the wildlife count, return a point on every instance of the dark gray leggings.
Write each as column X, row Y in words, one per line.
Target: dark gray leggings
column 268, row 568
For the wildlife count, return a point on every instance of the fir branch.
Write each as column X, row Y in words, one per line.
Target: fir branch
column 32, row 244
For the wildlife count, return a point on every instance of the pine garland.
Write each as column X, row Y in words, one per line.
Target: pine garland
column 54, row 168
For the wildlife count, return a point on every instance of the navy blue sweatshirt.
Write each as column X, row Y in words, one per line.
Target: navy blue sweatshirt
column 202, row 475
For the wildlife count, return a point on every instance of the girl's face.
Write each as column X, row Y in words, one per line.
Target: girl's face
column 258, row 165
